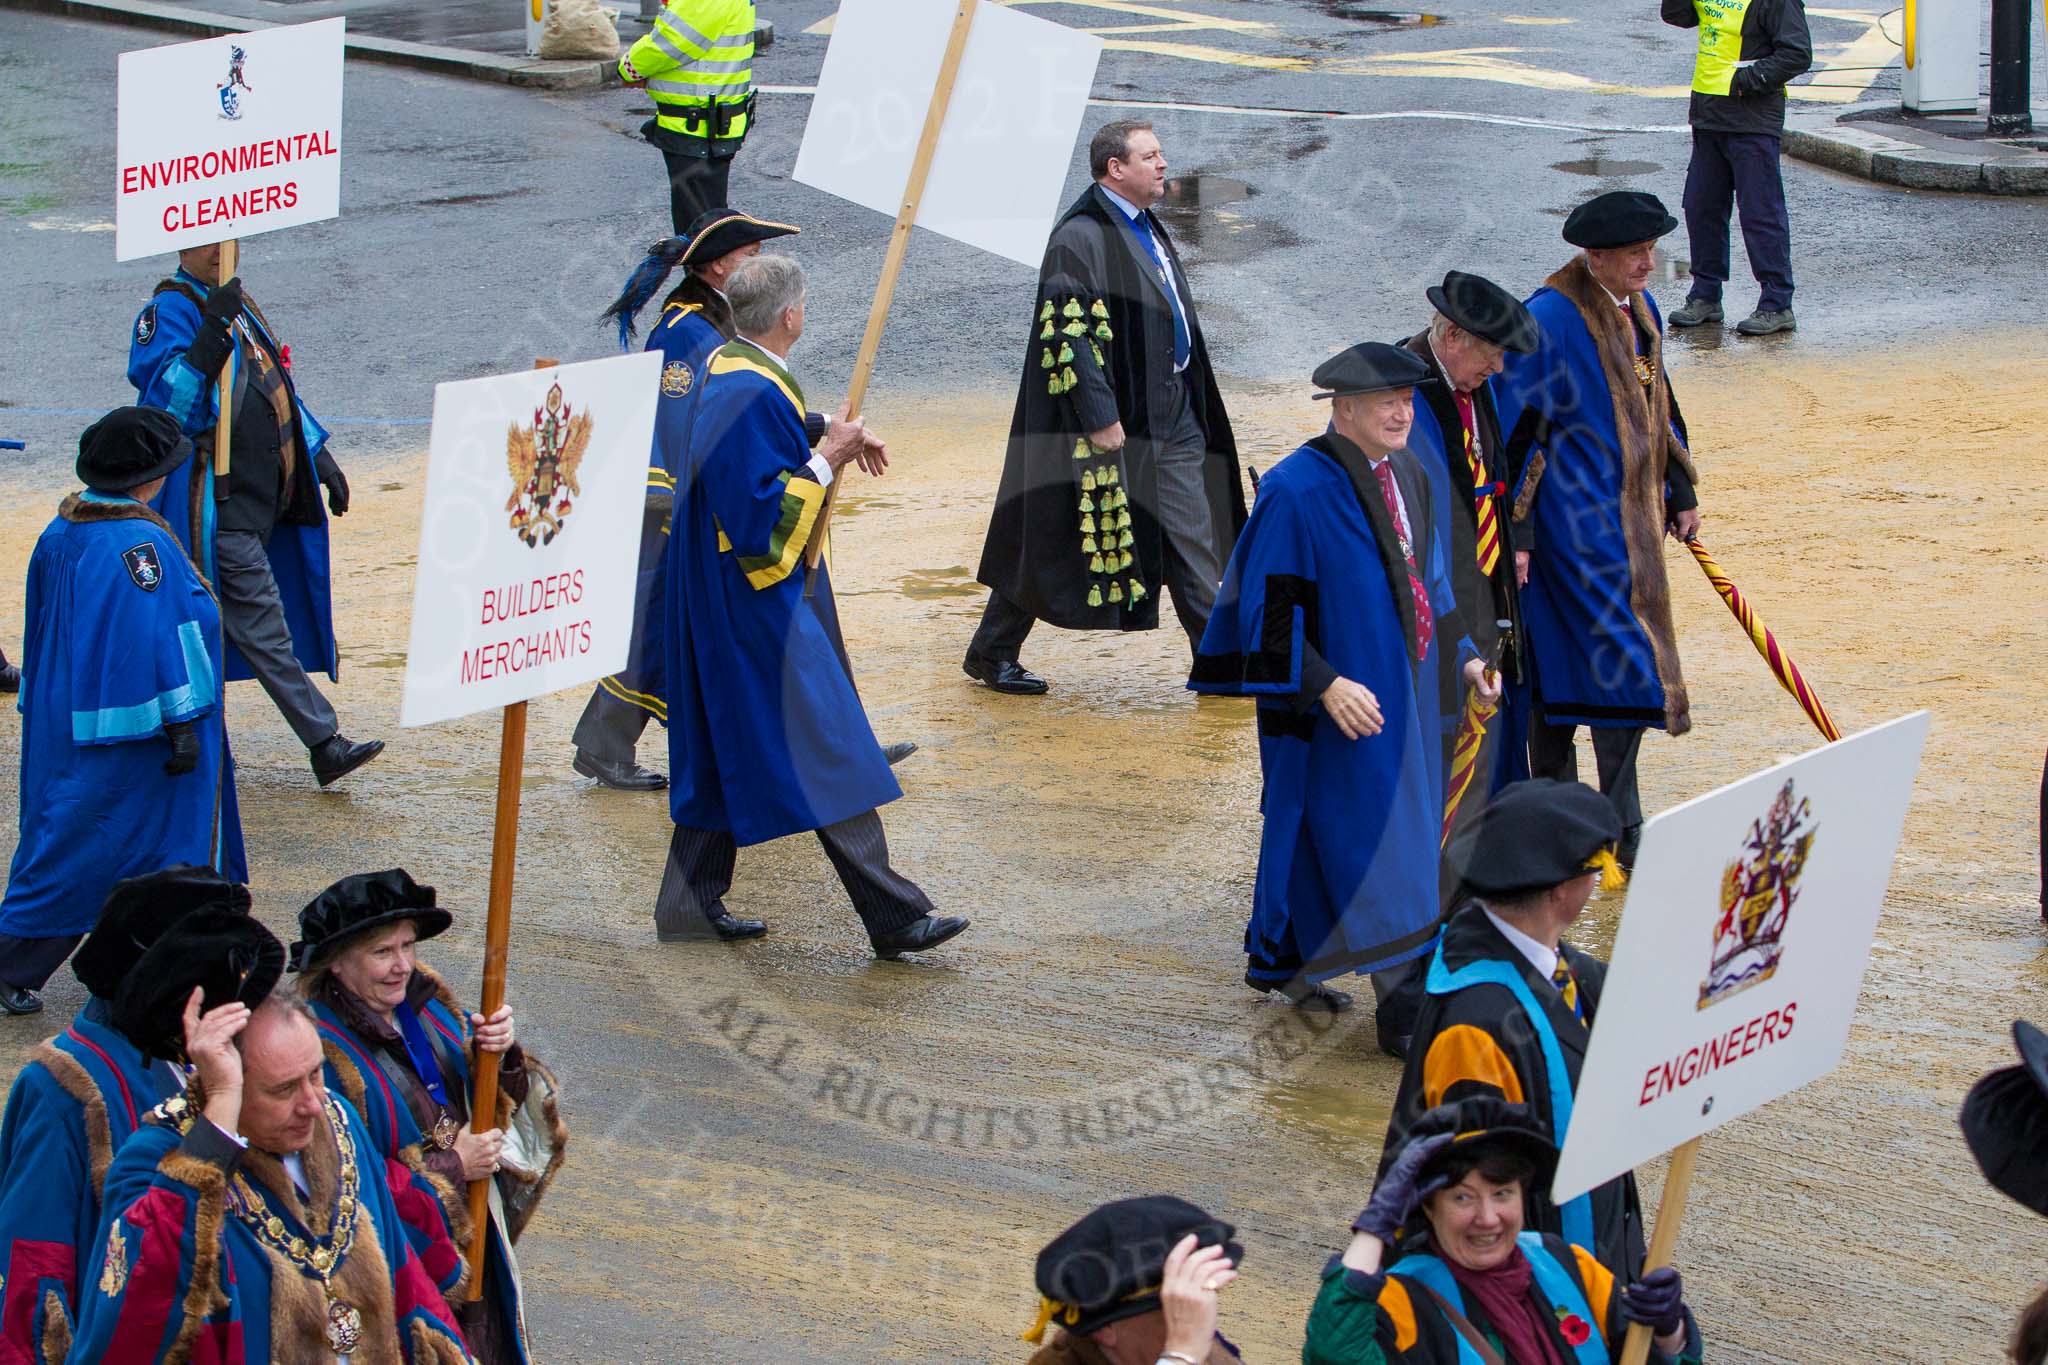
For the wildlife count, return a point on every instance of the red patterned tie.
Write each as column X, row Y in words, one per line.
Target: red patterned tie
column 1488, row 540
column 1425, row 620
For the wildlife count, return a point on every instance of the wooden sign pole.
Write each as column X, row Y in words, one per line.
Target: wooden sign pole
column 223, row 428
column 483, row 1105
column 1664, row 1238
column 899, row 243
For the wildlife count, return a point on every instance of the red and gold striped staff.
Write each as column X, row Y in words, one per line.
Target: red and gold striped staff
column 1782, row 668
column 1471, row 738
column 1465, row 757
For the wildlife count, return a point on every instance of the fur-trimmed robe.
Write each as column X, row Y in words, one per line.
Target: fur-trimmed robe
column 74, row 1104
column 180, row 1275
column 1601, row 462
column 536, row 1137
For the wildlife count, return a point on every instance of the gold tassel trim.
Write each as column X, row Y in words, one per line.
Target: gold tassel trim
column 1612, row 877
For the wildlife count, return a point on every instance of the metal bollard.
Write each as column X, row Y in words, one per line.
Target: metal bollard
column 2011, row 80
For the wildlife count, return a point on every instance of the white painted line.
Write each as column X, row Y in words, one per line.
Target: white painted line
column 1337, row 116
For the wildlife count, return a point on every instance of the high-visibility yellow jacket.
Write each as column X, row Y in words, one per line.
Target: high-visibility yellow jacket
column 698, row 62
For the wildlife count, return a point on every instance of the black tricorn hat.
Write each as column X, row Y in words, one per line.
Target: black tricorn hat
column 1481, row 1125
column 2005, row 1121
column 1369, row 367
column 130, row 446
column 227, row 953
column 1109, row 1266
column 1616, row 219
column 1486, row 310
column 717, row 232
column 367, row 900
column 138, row 911
column 1536, row 834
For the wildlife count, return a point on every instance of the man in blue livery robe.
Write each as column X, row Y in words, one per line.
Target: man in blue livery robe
column 1603, row 472
column 72, row 1106
column 696, row 320
column 250, row 1219
column 1457, row 440
column 1333, row 609
column 260, row 537
column 124, row 759
column 767, row 736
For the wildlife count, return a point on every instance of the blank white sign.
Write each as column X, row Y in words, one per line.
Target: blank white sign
column 1008, row 140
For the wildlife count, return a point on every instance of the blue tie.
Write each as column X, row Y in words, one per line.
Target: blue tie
column 1182, row 344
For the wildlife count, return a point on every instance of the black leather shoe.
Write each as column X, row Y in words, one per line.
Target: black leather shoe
column 20, row 1000
column 1003, row 675
column 721, row 925
column 620, row 777
column 10, row 677
column 338, row 756
column 1303, row 995
column 918, row 935
column 1393, row 1044
column 899, row 751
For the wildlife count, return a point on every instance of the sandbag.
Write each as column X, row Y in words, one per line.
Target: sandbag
column 579, row 30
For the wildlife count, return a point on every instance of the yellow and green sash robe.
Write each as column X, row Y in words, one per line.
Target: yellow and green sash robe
column 767, row 736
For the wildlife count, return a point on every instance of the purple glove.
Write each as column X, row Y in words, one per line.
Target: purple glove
column 1656, row 1300
column 1398, row 1193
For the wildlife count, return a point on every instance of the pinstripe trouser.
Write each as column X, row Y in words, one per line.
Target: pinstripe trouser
column 700, row 868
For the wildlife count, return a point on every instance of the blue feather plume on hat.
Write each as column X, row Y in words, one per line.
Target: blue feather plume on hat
column 642, row 285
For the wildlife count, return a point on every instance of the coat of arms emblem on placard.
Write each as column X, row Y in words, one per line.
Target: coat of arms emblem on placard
column 1758, row 890
column 543, row 460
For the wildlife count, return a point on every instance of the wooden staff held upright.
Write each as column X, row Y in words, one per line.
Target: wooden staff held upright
column 899, row 243
column 483, row 1104
column 223, row 427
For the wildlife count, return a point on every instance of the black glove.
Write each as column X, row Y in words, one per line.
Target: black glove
column 1657, row 1301
column 1745, row 83
column 1402, row 1190
column 331, row 479
column 209, row 350
column 184, row 738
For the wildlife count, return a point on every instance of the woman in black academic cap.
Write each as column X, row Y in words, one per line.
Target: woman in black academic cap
column 400, row 1048
column 2005, row 1121
column 1471, row 1286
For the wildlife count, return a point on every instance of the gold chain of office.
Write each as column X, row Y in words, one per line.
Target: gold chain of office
column 320, row 1258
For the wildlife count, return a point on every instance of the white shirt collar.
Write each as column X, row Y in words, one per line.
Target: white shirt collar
column 1130, row 210
column 1542, row 958
column 754, row 341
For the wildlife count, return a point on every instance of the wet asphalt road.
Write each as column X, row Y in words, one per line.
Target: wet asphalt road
column 788, row 1152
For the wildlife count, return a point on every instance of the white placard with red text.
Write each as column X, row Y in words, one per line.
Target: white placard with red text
column 530, row 536
column 227, row 137
column 1741, row 950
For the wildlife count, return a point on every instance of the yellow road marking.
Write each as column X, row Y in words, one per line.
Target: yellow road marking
column 1846, row 76
column 1852, row 68
column 1179, row 18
